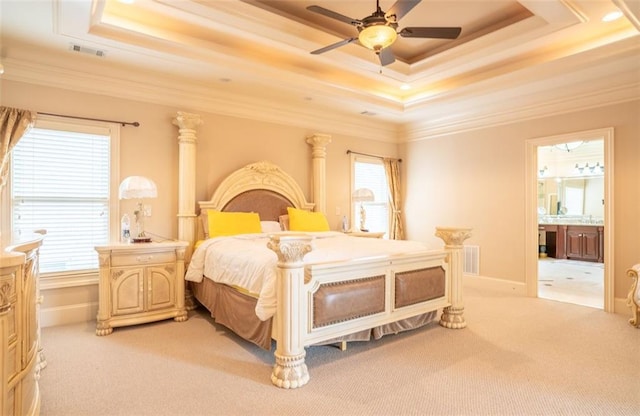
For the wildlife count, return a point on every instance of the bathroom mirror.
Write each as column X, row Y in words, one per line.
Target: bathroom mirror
column 572, row 196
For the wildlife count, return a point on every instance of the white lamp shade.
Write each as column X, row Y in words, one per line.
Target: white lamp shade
column 137, row 187
column 363, row 195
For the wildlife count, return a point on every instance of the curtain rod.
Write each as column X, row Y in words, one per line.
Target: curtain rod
column 366, row 154
column 123, row 123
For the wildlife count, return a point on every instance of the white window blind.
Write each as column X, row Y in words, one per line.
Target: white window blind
column 369, row 173
column 60, row 182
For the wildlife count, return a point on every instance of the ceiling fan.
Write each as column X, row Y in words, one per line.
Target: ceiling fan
column 379, row 30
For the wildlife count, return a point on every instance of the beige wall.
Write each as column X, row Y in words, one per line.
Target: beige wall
column 477, row 179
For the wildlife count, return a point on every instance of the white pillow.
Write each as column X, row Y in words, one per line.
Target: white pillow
column 270, row 226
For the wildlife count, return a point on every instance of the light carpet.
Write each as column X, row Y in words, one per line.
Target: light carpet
column 518, row 356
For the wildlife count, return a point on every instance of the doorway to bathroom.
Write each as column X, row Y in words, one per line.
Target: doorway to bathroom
column 571, row 222
column 569, row 218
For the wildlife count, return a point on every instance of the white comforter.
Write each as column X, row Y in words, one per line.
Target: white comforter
column 245, row 260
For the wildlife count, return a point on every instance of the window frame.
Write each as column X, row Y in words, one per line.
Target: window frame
column 79, row 277
column 352, row 206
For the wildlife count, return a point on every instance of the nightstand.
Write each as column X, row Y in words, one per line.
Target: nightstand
column 139, row 283
column 365, row 234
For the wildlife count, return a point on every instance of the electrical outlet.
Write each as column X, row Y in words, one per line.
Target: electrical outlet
column 337, row 210
column 146, row 210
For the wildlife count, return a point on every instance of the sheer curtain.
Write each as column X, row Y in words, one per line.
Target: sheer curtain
column 14, row 123
column 392, row 170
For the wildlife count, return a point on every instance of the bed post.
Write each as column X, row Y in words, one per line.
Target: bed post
column 290, row 370
column 187, row 124
column 319, row 143
column 453, row 316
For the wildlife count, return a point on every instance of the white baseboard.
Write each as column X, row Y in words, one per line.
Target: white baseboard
column 68, row 314
column 620, row 306
column 513, row 288
column 520, row 289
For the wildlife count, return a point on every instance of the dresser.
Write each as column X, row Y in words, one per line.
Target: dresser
column 140, row 283
column 19, row 328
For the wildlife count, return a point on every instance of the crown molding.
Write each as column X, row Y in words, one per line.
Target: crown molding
column 205, row 98
column 563, row 105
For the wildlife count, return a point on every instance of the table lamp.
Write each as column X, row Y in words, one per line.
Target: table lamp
column 138, row 187
column 362, row 195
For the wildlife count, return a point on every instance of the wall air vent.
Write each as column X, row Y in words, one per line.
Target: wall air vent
column 89, row 51
column 471, row 263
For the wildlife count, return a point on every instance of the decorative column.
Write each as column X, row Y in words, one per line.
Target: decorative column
column 187, row 124
column 453, row 316
column 319, row 143
column 290, row 370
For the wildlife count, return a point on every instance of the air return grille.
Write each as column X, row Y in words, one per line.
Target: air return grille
column 471, row 260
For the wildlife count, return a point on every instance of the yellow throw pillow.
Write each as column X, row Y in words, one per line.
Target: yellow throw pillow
column 302, row 220
column 232, row 223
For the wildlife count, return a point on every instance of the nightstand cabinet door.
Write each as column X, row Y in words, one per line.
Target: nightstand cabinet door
column 127, row 287
column 160, row 287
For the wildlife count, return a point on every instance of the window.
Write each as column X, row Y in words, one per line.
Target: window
column 369, row 173
column 61, row 182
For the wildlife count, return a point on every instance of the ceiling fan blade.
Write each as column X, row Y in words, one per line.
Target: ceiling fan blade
column 333, row 15
column 401, row 8
column 431, row 32
column 333, row 46
column 386, row 57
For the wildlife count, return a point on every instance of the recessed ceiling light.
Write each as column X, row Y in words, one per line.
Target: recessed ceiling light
column 405, row 87
column 610, row 17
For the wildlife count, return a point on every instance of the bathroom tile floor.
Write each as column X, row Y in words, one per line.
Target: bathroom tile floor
column 570, row 281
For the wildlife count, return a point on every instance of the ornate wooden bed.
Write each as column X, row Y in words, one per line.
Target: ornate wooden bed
column 324, row 302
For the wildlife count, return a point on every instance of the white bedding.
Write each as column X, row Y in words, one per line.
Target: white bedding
column 245, row 261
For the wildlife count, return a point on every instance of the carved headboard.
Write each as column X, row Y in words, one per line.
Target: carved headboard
column 269, row 204
column 260, row 187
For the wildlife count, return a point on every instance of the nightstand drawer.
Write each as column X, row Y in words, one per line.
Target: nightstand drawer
column 143, row 258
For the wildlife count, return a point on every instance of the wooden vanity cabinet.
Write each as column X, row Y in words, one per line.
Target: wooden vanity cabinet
column 574, row 242
column 584, row 243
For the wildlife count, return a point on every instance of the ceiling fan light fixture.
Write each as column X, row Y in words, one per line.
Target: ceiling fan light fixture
column 377, row 37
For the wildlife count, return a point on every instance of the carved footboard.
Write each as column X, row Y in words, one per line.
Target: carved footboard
column 370, row 293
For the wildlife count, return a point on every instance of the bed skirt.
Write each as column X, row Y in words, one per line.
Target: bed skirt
column 236, row 311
